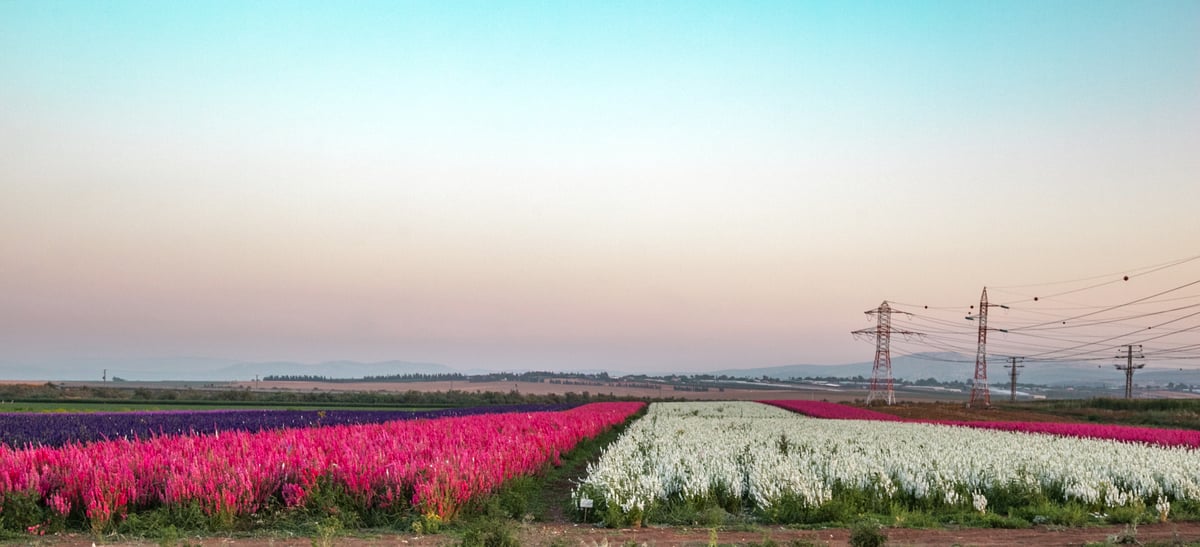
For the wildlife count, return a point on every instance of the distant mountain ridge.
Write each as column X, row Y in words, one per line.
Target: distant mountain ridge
column 209, row 370
column 949, row 367
column 943, row 367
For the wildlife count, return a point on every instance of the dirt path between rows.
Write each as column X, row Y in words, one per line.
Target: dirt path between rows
column 541, row 534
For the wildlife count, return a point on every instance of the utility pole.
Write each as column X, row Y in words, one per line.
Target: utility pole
column 979, row 387
column 1012, row 384
column 881, row 372
column 104, row 377
column 1129, row 354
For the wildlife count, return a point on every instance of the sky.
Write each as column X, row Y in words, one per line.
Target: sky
column 684, row 186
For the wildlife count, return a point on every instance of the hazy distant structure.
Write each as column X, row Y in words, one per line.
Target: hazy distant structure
column 1129, row 354
column 881, row 372
column 1012, row 366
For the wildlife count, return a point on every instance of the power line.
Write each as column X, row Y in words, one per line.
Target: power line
column 1110, row 308
column 1149, row 269
column 1111, row 338
column 1057, row 329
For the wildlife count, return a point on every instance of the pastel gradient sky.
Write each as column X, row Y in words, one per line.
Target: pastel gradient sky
column 631, row 185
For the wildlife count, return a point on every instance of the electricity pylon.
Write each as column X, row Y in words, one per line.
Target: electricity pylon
column 881, row 373
column 979, row 387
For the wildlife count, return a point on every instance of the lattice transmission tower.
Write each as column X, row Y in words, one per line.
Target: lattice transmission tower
column 881, row 373
column 979, row 387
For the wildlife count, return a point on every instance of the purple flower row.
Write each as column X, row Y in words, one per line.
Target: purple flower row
column 1163, row 437
column 19, row 430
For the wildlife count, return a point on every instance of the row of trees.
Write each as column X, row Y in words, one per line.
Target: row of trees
column 52, row 392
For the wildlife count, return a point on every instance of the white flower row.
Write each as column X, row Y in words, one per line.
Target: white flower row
column 763, row 453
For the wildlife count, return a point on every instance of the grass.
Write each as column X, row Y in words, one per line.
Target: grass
column 1008, row 509
column 1171, row 413
column 546, row 496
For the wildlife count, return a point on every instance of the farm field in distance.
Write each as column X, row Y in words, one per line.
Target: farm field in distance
column 542, row 509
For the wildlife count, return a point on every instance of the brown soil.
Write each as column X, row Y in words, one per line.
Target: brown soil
column 575, row 535
column 960, row 412
column 539, row 534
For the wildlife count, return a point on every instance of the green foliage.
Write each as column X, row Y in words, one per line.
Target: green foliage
column 904, row 517
column 326, row 530
column 169, row 537
column 1175, row 413
column 489, row 533
column 792, row 509
column 1014, row 497
column 514, row 500
column 995, row 520
column 1130, row 514
column 706, row 511
column 867, row 534
column 1071, row 514
column 167, row 522
column 1128, row 536
column 1185, row 510
column 427, row 524
column 766, row 542
column 19, row 511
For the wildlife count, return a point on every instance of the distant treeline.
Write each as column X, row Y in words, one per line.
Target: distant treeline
column 600, row 379
column 129, row 393
column 414, row 377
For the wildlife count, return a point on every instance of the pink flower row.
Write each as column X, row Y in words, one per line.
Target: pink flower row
column 434, row 465
column 1162, row 437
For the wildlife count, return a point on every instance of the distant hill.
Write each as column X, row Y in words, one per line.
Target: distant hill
column 949, row 367
column 943, row 367
column 205, row 370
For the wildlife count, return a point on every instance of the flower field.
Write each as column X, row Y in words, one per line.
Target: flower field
column 822, row 409
column 56, row 429
column 782, row 466
column 429, row 466
column 1149, row 435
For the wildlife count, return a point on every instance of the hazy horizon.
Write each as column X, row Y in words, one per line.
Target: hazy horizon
column 668, row 186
